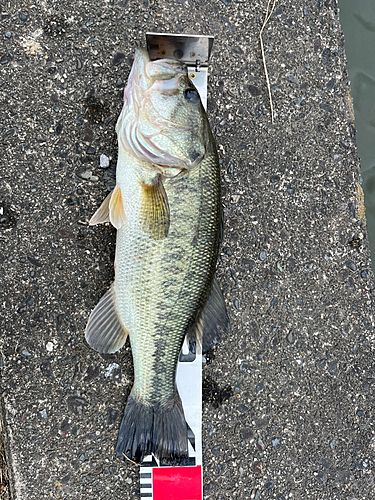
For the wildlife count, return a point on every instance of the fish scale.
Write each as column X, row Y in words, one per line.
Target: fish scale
column 169, row 290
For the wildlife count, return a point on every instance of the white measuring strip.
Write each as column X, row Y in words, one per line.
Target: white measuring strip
column 153, row 477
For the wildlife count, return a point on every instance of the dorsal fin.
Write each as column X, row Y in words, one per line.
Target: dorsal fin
column 212, row 321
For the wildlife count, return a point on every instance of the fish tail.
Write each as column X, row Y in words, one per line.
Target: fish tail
column 159, row 429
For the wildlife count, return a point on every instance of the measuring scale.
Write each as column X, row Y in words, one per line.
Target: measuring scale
column 182, row 482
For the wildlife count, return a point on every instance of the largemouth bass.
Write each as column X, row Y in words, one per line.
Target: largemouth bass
column 167, row 211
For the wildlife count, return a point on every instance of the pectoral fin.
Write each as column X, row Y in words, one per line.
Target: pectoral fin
column 154, row 214
column 111, row 210
column 212, row 321
column 102, row 214
column 116, row 209
column 104, row 332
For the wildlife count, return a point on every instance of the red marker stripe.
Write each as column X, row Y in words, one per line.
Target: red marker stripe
column 177, row 483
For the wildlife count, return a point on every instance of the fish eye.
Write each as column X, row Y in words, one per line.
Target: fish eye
column 191, row 95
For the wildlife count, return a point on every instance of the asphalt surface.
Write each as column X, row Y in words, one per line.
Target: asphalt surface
column 288, row 410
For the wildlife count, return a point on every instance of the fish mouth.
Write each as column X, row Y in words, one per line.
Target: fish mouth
column 145, row 73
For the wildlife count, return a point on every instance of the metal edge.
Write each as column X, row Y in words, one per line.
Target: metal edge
column 209, row 38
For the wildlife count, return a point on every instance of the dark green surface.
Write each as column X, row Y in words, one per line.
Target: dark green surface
column 358, row 24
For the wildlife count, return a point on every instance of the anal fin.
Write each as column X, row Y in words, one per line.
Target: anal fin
column 104, row 332
column 212, row 321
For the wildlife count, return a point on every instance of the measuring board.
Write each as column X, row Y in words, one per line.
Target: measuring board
column 182, row 482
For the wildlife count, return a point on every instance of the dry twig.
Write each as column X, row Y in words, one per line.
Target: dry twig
column 266, row 19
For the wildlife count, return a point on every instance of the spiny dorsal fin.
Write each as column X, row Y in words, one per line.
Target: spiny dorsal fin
column 104, row 332
column 154, row 215
column 111, row 210
column 212, row 321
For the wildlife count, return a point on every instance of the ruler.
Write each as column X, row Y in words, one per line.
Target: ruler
column 182, row 482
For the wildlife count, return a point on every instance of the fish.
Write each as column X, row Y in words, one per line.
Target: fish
column 166, row 207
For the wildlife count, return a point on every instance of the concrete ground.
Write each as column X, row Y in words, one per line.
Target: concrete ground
column 289, row 394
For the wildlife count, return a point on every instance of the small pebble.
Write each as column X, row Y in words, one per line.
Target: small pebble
column 262, row 255
column 326, row 107
column 269, row 485
column 49, row 346
column 118, row 58
column 22, row 16
column 87, row 175
column 292, row 79
column 259, row 387
column 8, row 34
column 276, row 443
column 326, row 462
column 350, row 265
column 110, row 369
column 104, row 161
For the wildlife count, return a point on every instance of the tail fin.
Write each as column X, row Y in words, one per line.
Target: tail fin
column 159, row 429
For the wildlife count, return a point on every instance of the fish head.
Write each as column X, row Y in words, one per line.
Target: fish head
column 163, row 121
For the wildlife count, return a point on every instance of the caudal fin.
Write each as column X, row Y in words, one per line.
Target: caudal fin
column 158, row 429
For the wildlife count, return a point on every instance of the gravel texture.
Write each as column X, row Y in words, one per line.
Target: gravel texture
column 288, row 394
